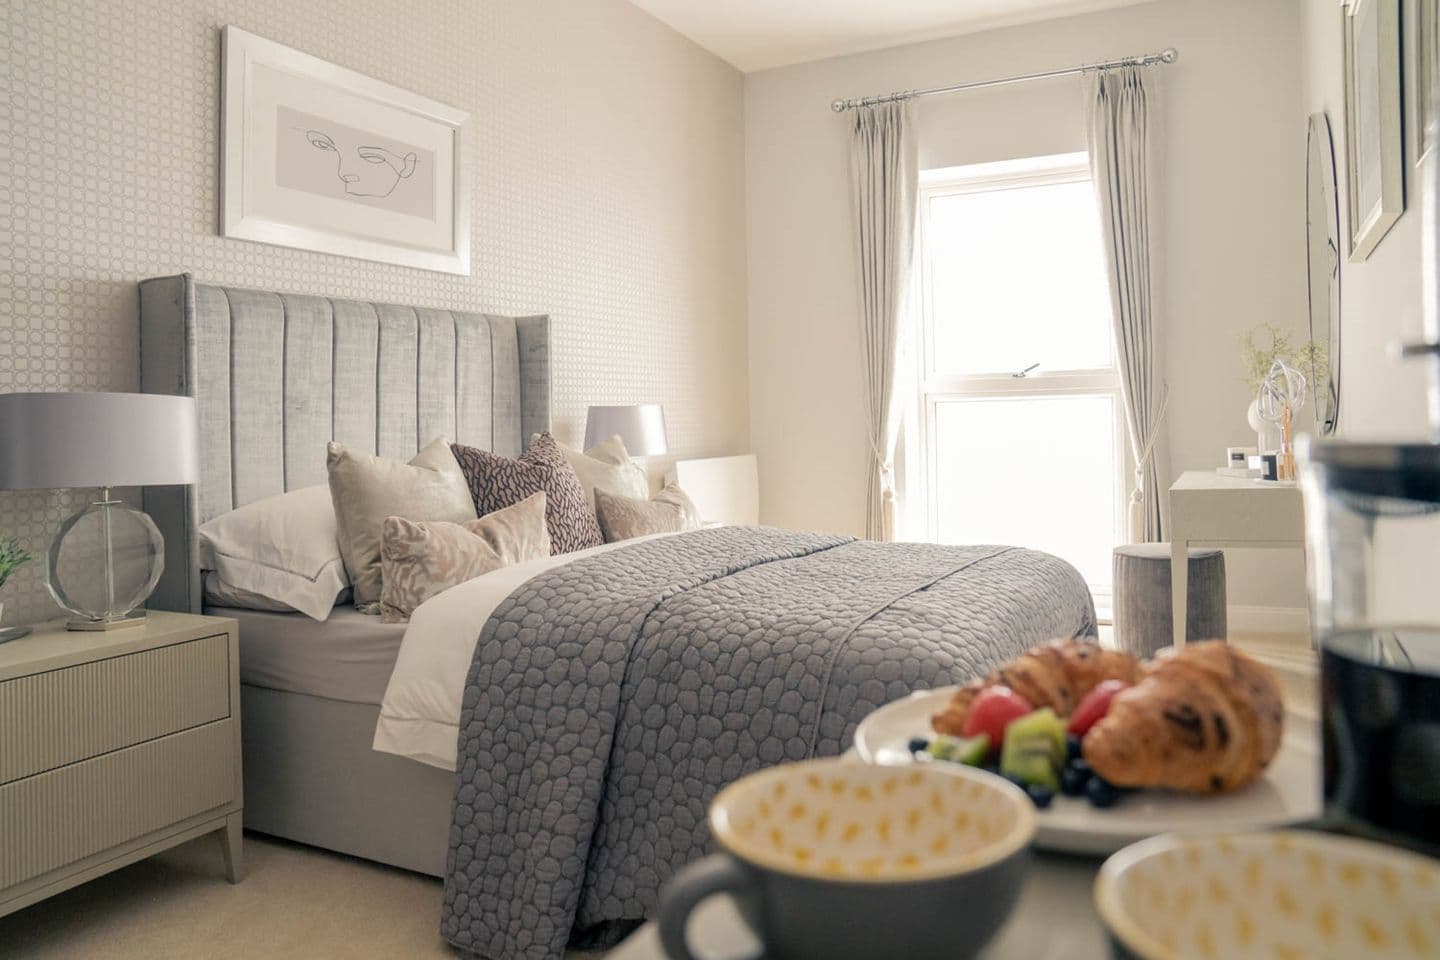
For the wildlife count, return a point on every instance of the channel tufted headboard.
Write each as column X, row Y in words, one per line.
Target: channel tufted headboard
column 277, row 375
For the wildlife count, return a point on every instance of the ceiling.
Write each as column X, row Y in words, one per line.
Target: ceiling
column 759, row 34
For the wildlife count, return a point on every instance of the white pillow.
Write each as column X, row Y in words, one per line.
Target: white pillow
column 283, row 548
column 218, row 593
column 607, row 466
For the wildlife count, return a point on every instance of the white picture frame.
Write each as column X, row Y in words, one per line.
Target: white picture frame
column 1374, row 144
column 1423, row 44
column 318, row 157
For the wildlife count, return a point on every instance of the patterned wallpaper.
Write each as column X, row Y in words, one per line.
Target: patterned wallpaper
column 608, row 192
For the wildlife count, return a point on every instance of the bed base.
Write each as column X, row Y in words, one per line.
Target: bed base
column 312, row 777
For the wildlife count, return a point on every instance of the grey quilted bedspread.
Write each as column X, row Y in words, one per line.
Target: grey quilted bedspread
column 609, row 699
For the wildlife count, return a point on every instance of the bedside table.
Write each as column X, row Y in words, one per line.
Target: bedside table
column 113, row 747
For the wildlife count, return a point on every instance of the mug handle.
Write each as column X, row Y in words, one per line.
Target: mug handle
column 717, row 873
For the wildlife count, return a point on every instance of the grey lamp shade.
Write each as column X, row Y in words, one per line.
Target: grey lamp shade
column 57, row 440
column 640, row 425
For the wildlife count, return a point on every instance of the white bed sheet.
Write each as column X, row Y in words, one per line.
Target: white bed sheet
column 420, row 713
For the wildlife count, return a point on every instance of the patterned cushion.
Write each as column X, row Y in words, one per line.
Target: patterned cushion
column 421, row 559
column 497, row 482
column 624, row 517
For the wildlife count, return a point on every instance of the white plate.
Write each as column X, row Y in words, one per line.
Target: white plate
column 1287, row 793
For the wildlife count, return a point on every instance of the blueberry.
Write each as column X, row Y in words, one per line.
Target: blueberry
column 918, row 743
column 1101, row 793
column 1080, row 766
column 1073, row 780
column 1018, row 781
column 1072, row 747
column 1040, row 795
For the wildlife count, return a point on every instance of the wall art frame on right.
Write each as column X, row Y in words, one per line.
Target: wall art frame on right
column 1374, row 137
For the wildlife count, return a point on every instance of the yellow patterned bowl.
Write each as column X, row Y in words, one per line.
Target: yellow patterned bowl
column 856, row 862
column 1277, row 895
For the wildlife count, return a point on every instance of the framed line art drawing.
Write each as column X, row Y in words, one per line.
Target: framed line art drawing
column 1373, row 137
column 322, row 158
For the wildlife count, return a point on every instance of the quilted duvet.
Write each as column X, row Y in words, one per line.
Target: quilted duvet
column 611, row 698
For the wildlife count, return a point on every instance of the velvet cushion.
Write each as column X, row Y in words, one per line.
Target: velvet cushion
column 366, row 489
column 497, row 482
column 621, row 518
column 422, row 558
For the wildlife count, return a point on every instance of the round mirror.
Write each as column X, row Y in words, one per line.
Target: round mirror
column 1322, row 236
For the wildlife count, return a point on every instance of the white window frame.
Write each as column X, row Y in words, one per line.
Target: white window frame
column 939, row 387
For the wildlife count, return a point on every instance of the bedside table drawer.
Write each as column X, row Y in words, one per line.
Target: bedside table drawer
column 67, row 715
column 65, row 815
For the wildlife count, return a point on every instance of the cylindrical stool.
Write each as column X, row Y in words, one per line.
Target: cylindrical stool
column 1143, row 621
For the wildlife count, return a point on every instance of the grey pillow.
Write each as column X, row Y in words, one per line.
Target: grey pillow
column 670, row 511
column 366, row 489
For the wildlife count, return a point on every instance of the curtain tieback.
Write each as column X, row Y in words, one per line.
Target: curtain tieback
column 1147, row 452
column 887, row 472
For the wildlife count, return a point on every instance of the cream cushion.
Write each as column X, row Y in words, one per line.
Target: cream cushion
column 606, row 466
column 366, row 489
column 622, row 518
column 283, row 549
column 422, row 558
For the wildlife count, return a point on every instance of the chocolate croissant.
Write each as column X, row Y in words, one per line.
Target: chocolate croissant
column 1205, row 719
column 1056, row 675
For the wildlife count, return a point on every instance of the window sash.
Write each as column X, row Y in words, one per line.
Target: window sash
column 937, row 386
column 985, row 178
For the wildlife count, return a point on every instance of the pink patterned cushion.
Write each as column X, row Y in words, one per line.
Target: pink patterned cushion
column 422, row 558
column 497, row 482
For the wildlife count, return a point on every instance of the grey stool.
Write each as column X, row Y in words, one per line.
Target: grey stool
column 1143, row 622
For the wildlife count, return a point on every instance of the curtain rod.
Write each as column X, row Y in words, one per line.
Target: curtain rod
column 1168, row 55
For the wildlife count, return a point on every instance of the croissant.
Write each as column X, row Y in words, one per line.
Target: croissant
column 1205, row 719
column 1057, row 675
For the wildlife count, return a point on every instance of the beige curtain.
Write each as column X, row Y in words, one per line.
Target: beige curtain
column 1119, row 157
column 884, row 170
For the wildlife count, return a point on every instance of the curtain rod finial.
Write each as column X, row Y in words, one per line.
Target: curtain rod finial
column 1169, row 55
column 838, row 105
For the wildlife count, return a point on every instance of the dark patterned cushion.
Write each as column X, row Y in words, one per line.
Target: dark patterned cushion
column 498, row 482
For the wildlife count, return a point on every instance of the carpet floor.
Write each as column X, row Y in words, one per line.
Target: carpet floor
column 293, row 902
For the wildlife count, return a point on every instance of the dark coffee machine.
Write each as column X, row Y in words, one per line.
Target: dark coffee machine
column 1373, row 540
column 1373, row 512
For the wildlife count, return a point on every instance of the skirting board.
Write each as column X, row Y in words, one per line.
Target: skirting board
column 1287, row 621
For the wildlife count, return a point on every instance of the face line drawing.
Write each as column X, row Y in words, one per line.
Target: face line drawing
column 379, row 185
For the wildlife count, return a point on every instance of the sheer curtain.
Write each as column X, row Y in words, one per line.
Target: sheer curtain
column 884, row 171
column 1119, row 156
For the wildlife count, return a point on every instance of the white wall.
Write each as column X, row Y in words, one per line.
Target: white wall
column 608, row 191
column 1229, row 138
column 1380, row 297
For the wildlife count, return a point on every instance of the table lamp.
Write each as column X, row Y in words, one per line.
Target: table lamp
column 640, row 425
column 106, row 559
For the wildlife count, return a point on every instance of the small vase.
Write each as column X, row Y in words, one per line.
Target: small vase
column 1261, row 426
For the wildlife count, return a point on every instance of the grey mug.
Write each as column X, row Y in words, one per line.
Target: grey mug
column 850, row 862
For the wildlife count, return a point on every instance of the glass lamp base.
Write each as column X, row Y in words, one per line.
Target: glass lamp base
column 104, row 564
column 135, row 618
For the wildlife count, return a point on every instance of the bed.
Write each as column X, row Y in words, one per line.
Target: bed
column 275, row 376
column 548, row 735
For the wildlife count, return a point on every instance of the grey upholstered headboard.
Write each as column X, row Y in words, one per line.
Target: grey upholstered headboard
column 277, row 375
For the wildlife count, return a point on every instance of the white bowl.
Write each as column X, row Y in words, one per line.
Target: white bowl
column 1277, row 895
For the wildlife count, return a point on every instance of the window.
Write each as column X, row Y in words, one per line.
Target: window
column 1022, row 438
